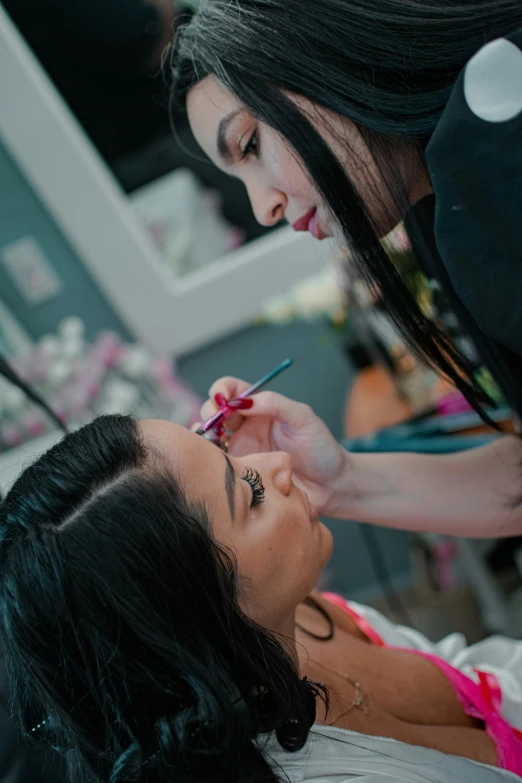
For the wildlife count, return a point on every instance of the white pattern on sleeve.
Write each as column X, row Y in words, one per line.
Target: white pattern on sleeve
column 493, row 82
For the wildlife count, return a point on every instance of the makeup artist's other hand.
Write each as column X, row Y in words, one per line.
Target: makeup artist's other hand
column 276, row 423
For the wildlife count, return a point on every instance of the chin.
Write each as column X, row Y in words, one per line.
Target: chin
column 326, row 543
column 326, row 231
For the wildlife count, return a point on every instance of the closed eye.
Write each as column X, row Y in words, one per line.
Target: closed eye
column 253, row 478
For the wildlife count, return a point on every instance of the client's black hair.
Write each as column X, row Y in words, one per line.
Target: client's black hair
column 124, row 641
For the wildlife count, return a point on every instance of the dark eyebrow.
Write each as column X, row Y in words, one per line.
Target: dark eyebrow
column 230, row 486
column 221, row 133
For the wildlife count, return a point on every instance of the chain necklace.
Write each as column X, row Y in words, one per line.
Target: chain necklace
column 360, row 699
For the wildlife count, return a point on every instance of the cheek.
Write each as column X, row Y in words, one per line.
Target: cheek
column 257, row 552
column 295, row 553
column 268, row 553
column 279, row 565
column 279, row 547
column 286, row 174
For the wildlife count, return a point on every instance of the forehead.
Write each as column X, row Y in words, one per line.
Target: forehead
column 188, row 455
column 208, row 102
column 198, row 465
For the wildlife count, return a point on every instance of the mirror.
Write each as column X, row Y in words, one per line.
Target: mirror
column 104, row 57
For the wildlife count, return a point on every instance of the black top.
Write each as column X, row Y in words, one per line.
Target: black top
column 475, row 162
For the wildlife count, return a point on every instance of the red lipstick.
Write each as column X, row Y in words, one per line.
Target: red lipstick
column 309, row 223
column 303, row 222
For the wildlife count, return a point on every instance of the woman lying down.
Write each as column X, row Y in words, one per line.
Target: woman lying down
column 160, row 624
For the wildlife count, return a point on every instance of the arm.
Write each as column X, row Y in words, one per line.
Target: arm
column 475, row 493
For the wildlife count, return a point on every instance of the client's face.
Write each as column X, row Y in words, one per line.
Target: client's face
column 256, row 510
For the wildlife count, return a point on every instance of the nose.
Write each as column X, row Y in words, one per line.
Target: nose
column 278, row 467
column 268, row 204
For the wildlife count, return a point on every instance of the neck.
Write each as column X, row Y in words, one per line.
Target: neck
column 285, row 631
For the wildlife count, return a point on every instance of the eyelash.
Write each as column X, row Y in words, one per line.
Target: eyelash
column 251, row 147
column 253, row 478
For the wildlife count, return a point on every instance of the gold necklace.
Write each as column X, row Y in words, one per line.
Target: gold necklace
column 360, row 700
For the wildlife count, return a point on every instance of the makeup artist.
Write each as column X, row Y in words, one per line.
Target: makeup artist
column 345, row 117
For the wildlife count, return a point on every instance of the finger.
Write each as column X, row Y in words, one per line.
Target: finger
column 195, row 427
column 229, row 387
column 208, row 409
column 232, row 422
column 294, row 414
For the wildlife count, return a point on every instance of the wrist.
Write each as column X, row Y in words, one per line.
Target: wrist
column 341, row 492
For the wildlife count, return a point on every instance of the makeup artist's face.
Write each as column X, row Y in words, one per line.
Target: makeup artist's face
column 276, row 180
column 256, row 510
column 277, row 183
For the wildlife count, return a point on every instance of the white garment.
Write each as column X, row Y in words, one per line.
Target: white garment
column 335, row 755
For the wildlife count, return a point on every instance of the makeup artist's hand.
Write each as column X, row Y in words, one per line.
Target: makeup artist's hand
column 276, row 423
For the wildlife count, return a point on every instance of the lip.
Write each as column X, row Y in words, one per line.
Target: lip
column 312, row 511
column 314, row 227
column 309, row 222
column 304, row 221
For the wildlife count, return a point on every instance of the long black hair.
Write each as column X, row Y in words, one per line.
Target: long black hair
column 125, row 645
column 387, row 65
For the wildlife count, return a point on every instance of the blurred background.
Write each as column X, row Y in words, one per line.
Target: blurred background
column 133, row 274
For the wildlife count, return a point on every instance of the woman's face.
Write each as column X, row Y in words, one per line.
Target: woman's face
column 256, row 510
column 276, row 180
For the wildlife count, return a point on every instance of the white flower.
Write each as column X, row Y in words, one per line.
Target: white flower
column 321, row 295
column 278, row 310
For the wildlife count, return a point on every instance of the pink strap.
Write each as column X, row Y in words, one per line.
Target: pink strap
column 492, row 695
column 490, row 689
column 484, row 700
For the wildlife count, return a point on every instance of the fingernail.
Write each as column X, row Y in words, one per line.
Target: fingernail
column 240, row 403
column 220, row 400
